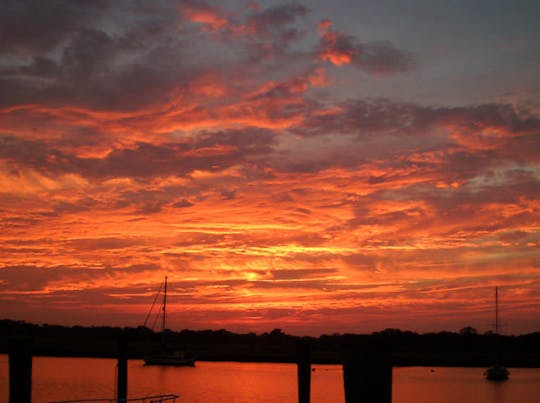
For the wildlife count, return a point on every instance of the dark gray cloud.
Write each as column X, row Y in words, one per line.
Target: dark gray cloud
column 80, row 53
column 456, row 143
column 276, row 17
column 183, row 203
column 366, row 116
column 296, row 274
column 38, row 26
column 210, row 151
column 106, row 243
column 33, row 278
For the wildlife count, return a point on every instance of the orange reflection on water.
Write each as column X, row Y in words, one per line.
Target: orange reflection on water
column 234, row 382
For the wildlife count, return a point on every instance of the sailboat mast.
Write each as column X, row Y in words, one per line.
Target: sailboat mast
column 164, row 303
column 496, row 310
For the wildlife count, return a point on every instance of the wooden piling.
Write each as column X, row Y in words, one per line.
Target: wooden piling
column 303, row 355
column 367, row 373
column 121, row 394
column 20, row 370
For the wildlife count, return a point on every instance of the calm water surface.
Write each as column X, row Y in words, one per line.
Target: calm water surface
column 233, row 382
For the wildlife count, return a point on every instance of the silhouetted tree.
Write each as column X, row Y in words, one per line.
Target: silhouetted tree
column 468, row 331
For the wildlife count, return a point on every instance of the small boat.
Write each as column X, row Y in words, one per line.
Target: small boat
column 166, row 356
column 172, row 358
column 497, row 372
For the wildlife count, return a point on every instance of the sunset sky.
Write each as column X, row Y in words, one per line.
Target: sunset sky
column 319, row 167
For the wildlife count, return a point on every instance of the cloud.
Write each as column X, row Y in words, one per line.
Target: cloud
column 365, row 117
column 46, row 280
column 263, row 22
column 377, row 58
column 88, row 53
column 80, row 60
column 208, row 152
column 219, row 144
column 183, row 203
column 294, row 274
column 31, row 25
column 261, row 34
column 201, row 12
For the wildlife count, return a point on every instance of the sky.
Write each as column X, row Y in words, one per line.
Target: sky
column 318, row 167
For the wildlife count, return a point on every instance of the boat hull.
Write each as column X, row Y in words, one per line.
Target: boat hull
column 497, row 373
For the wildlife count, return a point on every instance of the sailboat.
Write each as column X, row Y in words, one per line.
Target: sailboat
column 166, row 356
column 497, row 372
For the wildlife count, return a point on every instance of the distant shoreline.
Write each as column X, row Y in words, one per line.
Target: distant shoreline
column 444, row 349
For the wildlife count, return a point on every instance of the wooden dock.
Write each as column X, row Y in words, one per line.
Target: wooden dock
column 367, row 374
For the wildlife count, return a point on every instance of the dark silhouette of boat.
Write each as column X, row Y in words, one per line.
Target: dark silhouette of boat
column 497, row 372
column 172, row 358
column 166, row 356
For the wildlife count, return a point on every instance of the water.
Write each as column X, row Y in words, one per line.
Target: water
column 233, row 382
column 451, row 385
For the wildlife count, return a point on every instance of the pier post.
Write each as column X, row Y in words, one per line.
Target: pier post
column 367, row 373
column 121, row 394
column 20, row 371
column 303, row 356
